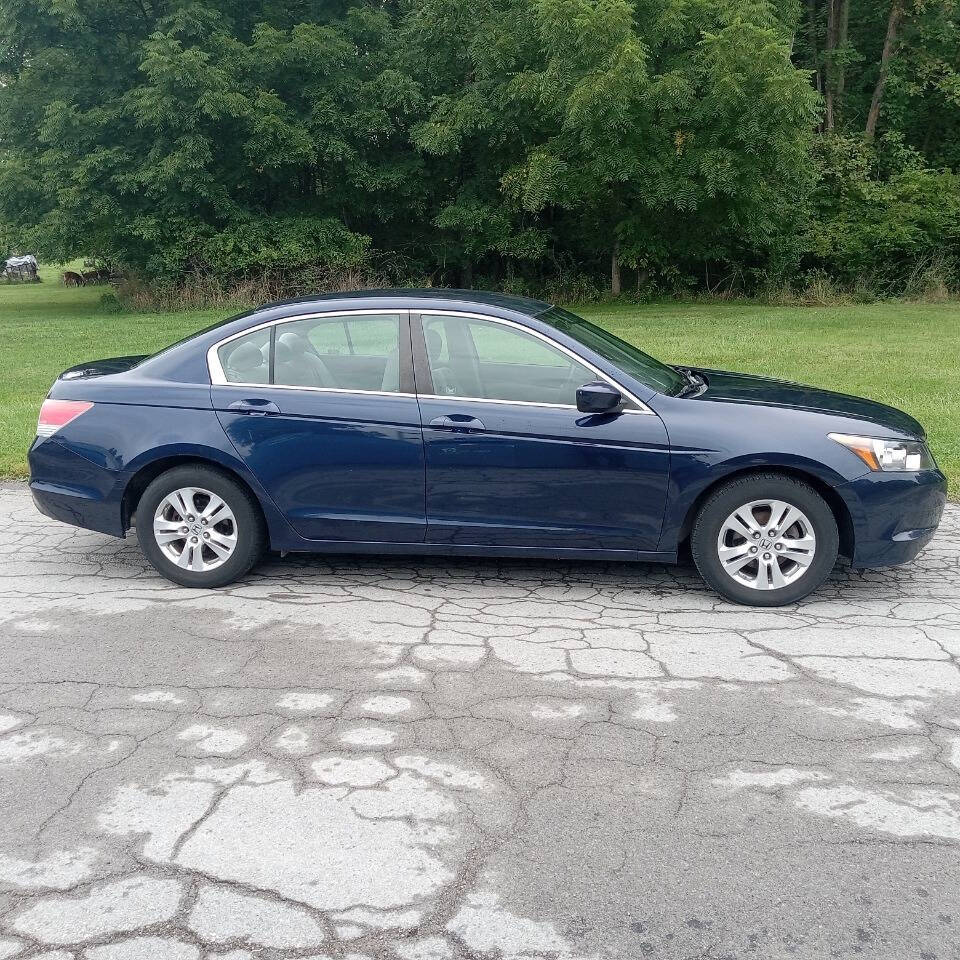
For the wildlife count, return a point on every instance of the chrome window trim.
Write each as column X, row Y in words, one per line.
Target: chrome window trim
column 642, row 408
column 288, row 386
column 517, row 403
column 218, row 377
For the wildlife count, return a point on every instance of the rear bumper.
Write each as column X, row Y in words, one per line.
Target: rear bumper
column 69, row 488
column 894, row 515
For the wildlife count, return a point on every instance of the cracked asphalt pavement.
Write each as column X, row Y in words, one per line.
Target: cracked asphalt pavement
column 414, row 759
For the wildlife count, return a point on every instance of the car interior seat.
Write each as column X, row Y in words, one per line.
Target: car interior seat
column 391, row 373
column 247, row 364
column 297, row 365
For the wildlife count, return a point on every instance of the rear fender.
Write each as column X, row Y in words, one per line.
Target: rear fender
column 122, row 440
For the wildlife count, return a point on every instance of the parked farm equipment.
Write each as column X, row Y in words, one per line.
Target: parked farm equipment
column 21, row 269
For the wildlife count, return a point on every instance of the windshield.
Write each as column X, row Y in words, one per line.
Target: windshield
column 656, row 375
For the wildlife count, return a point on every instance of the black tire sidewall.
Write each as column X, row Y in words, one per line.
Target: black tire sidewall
column 720, row 505
column 249, row 522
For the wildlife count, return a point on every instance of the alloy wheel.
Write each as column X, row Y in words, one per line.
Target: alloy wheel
column 766, row 544
column 195, row 529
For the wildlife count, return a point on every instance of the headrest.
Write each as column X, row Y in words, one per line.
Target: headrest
column 246, row 356
column 285, row 353
column 434, row 342
column 294, row 342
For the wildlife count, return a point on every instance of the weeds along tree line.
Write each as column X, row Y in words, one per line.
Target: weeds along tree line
column 558, row 147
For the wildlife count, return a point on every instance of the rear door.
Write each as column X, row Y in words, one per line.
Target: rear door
column 323, row 411
column 511, row 461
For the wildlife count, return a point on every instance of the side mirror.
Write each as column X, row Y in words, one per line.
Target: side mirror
column 598, row 397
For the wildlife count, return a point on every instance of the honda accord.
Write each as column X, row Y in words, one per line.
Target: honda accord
column 464, row 423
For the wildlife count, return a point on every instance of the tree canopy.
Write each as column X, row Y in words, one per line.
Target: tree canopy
column 509, row 142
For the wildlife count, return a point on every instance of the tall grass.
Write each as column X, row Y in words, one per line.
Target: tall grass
column 932, row 279
column 205, row 292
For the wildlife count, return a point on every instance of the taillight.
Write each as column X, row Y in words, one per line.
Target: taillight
column 55, row 414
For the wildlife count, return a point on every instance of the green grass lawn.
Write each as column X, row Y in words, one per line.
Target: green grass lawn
column 904, row 355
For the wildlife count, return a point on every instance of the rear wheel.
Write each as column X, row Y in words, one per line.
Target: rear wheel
column 765, row 540
column 199, row 527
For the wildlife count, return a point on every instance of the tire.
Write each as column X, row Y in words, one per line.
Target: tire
column 780, row 566
column 230, row 538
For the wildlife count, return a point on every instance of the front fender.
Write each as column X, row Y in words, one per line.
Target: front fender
column 711, row 442
column 688, row 482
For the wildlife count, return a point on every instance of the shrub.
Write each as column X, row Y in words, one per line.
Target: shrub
column 879, row 216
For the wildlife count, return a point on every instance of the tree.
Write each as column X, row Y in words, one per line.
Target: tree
column 889, row 47
column 605, row 118
column 202, row 135
column 885, row 58
column 466, row 141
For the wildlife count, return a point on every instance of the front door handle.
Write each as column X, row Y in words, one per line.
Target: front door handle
column 459, row 422
column 255, row 406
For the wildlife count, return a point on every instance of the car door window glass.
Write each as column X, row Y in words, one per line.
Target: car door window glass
column 247, row 359
column 485, row 360
column 345, row 353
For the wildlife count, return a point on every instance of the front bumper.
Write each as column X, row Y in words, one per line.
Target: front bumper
column 895, row 515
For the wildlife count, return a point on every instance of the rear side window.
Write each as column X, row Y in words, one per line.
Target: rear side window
column 359, row 336
column 358, row 352
column 247, row 359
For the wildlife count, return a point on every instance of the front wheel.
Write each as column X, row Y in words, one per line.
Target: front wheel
column 199, row 527
column 765, row 540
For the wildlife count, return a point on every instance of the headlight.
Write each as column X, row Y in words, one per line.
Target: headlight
column 897, row 456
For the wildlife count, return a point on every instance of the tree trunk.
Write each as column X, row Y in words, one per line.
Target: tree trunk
column 830, row 70
column 889, row 46
column 615, row 269
column 814, row 49
column 466, row 274
column 843, row 32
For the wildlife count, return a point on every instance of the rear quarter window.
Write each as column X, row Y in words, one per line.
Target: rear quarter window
column 247, row 359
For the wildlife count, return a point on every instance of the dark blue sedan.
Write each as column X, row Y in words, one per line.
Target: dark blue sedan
column 460, row 423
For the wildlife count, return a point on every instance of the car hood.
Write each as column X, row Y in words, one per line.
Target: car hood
column 723, row 385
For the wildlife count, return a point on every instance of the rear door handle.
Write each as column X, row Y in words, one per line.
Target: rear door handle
column 459, row 422
column 255, row 406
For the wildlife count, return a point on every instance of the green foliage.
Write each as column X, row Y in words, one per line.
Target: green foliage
column 923, row 102
column 192, row 136
column 527, row 143
column 880, row 212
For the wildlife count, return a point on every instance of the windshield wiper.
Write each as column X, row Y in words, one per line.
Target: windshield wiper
column 696, row 383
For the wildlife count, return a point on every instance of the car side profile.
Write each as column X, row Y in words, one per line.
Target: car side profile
column 465, row 423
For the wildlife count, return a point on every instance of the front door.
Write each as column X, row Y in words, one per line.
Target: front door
column 510, row 460
column 322, row 410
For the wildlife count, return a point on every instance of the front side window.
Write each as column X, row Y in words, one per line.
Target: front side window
column 484, row 360
column 247, row 359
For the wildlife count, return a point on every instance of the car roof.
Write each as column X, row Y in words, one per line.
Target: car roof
column 407, row 298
